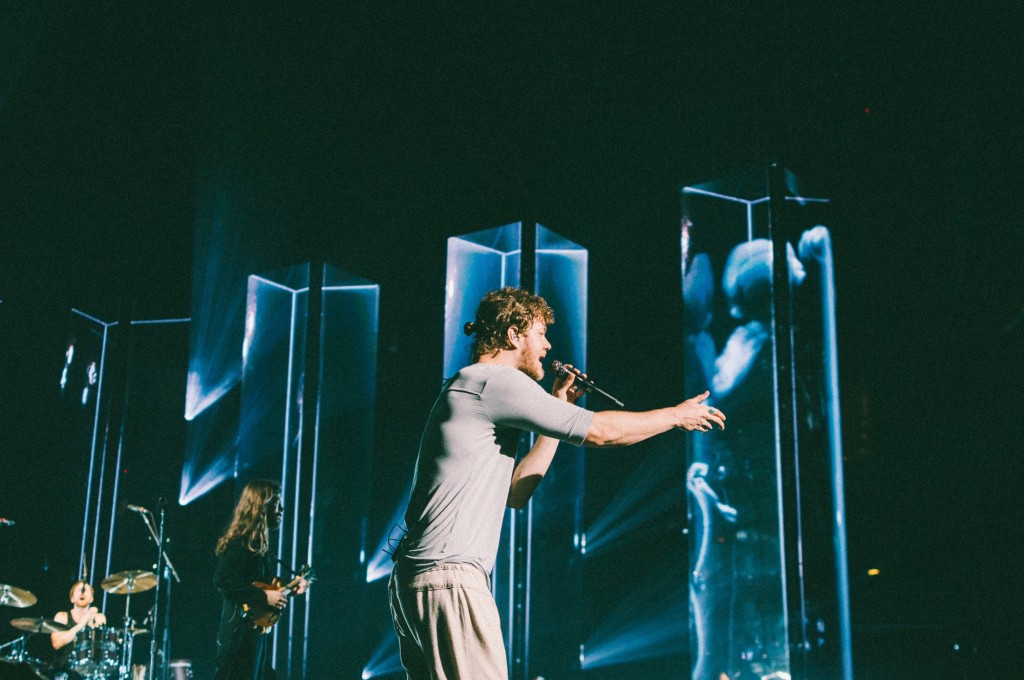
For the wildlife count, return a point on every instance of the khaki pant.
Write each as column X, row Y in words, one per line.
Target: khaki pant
column 447, row 624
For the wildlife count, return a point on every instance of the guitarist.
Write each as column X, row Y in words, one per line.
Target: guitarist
column 243, row 651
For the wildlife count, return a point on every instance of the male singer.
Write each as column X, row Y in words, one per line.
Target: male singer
column 466, row 472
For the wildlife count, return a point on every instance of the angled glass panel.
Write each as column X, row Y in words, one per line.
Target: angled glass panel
column 739, row 553
column 337, row 545
column 273, row 361
column 477, row 263
column 555, row 512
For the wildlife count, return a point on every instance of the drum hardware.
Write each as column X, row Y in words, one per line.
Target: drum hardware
column 165, row 570
column 19, row 598
column 16, row 651
column 127, row 583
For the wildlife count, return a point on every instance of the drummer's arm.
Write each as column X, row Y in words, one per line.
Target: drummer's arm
column 62, row 637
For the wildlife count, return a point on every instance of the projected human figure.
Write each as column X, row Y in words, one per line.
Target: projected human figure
column 734, row 588
column 466, row 473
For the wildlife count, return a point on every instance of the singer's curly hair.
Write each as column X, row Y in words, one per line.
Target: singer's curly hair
column 503, row 309
column 250, row 519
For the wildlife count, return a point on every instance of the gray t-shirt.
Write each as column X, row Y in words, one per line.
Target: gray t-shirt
column 466, row 460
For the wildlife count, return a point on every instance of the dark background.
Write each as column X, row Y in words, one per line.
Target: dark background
column 389, row 126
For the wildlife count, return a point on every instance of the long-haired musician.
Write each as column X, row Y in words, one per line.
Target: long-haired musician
column 244, row 558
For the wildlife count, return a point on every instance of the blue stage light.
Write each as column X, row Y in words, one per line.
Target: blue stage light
column 385, row 660
column 380, row 564
column 198, row 398
column 649, row 492
column 193, row 487
column 647, row 624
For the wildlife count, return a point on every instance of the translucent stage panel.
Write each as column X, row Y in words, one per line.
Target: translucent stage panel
column 555, row 514
column 92, row 360
column 273, row 365
column 307, row 418
column 767, row 486
column 122, row 387
column 338, row 630
column 477, row 263
column 146, row 455
column 269, row 442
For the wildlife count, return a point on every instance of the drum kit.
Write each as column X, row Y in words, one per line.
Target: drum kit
column 98, row 653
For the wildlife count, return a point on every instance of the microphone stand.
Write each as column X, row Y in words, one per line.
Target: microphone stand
column 164, row 569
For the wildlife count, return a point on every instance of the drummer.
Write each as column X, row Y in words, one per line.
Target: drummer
column 80, row 616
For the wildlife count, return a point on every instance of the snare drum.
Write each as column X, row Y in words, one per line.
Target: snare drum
column 97, row 651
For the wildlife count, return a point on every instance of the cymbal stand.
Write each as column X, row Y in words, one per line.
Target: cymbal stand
column 129, row 638
column 19, row 645
column 164, row 570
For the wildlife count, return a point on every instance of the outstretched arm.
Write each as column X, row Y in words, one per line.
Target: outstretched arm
column 622, row 428
column 608, row 428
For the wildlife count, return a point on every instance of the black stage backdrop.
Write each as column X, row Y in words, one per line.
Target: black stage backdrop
column 389, row 128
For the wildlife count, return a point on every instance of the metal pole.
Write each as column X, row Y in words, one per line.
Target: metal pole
column 156, row 597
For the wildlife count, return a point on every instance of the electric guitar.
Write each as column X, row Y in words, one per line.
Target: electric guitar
column 264, row 617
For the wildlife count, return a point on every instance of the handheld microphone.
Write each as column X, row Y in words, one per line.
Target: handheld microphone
column 587, row 385
column 136, row 508
column 4, row 522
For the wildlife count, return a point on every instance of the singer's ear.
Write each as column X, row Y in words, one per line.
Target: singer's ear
column 513, row 336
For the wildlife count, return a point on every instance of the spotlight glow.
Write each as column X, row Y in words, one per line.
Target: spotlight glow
column 198, row 398
column 385, row 660
column 646, row 625
column 380, row 564
column 191, row 489
column 649, row 492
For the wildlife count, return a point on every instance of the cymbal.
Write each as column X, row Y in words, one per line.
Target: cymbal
column 138, row 631
column 39, row 625
column 15, row 597
column 127, row 582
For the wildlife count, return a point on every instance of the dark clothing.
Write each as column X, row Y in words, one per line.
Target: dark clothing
column 62, row 657
column 243, row 652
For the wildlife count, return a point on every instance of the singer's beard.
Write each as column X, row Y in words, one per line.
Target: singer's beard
column 531, row 365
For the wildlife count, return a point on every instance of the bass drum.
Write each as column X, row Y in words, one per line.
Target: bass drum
column 97, row 651
column 181, row 669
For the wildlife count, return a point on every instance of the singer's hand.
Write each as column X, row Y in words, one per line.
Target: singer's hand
column 565, row 387
column 694, row 414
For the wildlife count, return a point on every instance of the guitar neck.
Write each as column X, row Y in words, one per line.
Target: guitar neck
column 291, row 585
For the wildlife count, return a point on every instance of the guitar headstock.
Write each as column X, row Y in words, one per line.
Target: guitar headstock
column 306, row 572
